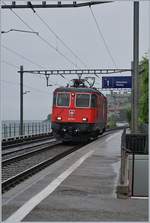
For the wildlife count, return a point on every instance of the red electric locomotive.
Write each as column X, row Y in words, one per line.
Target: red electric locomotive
column 79, row 112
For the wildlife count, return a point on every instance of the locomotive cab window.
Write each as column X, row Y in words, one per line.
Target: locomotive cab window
column 93, row 101
column 63, row 99
column 82, row 100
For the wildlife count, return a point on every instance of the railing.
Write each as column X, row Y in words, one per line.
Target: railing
column 130, row 144
column 137, row 143
column 32, row 128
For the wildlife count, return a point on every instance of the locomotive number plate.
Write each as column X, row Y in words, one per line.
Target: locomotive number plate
column 71, row 112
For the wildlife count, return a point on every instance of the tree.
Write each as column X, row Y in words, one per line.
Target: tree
column 143, row 102
column 112, row 121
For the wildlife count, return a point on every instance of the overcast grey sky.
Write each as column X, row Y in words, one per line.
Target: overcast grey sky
column 76, row 27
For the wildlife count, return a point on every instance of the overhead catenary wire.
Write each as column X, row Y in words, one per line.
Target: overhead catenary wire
column 18, row 84
column 55, row 48
column 20, row 19
column 19, row 30
column 102, row 37
column 60, row 39
column 42, row 38
column 10, row 64
column 16, row 67
column 21, row 56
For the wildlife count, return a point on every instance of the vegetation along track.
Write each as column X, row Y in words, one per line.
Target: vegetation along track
column 26, row 165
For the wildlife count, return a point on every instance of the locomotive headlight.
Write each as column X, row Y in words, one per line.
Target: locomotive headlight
column 84, row 119
column 59, row 118
column 64, row 130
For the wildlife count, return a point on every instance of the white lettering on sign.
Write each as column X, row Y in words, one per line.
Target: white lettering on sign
column 121, row 82
column 108, row 83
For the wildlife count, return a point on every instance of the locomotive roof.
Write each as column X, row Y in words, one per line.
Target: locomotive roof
column 84, row 89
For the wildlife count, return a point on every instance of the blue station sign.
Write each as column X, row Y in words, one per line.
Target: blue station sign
column 117, row 82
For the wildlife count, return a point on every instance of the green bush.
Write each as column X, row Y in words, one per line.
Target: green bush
column 112, row 121
column 144, row 80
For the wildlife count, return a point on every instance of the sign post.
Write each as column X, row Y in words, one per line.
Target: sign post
column 135, row 65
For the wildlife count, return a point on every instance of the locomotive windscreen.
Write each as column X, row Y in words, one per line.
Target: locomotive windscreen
column 82, row 100
column 63, row 99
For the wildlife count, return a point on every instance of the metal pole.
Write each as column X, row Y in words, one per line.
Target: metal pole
column 132, row 98
column 135, row 64
column 21, row 100
column 133, row 164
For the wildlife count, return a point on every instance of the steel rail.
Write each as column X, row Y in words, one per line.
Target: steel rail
column 40, row 148
column 38, row 167
column 45, row 146
column 24, row 140
column 26, row 147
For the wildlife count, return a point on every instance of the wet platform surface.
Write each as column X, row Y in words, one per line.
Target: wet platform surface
column 86, row 193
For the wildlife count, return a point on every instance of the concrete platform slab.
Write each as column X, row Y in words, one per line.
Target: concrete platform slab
column 88, row 193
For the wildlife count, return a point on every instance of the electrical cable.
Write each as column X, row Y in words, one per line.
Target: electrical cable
column 58, row 51
column 21, row 56
column 15, row 66
column 60, row 39
column 40, row 37
column 102, row 37
column 20, row 18
column 10, row 64
column 35, row 89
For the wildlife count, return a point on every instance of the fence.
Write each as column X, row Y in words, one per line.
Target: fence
column 137, row 143
column 32, row 128
column 131, row 144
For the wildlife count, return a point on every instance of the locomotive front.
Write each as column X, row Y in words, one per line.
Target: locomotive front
column 75, row 115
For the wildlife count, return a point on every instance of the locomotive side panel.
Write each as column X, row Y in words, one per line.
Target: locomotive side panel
column 101, row 113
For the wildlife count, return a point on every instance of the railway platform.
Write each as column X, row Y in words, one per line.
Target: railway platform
column 80, row 187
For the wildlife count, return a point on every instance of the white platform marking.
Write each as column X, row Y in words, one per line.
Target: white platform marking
column 20, row 214
column 140, row 198
column 33, row 202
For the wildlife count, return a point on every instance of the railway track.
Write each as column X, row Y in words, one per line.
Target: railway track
column 18, row 168
column 23, row 149
column 23, row 140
